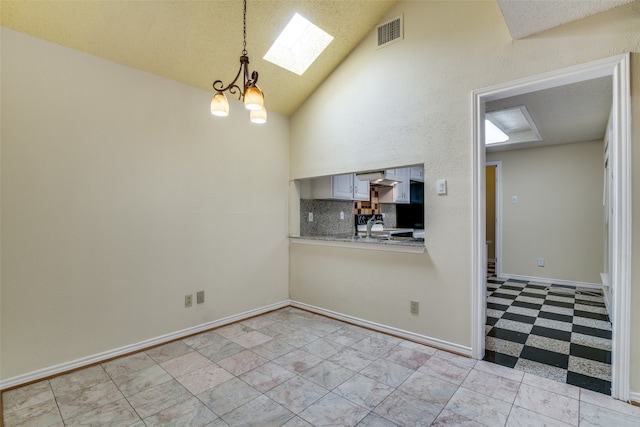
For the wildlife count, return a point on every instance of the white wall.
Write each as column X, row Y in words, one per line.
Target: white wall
column 121, row 194
column 559, row 214
column 410, row 102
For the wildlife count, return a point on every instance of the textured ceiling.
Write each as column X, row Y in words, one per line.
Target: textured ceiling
column 197, row 42
column 576, row 112
column 527, row 17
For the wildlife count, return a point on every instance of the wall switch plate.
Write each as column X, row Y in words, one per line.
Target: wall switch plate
column 441, row 186
column 188, row 300
column 341, row 215
column 514, row 200
column 415, row 307
column 310, row 216
column 200, row 297
column 540, row 262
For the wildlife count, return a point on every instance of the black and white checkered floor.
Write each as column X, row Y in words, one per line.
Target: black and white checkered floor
column 557, row 332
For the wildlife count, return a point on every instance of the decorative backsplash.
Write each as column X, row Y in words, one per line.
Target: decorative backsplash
column 368, row 207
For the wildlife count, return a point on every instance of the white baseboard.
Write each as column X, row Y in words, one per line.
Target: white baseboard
column 634, row 397
column 547, row 281
column 422, row 339
column 100, row 357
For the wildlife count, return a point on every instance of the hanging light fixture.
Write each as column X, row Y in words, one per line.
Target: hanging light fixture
column 250, row 93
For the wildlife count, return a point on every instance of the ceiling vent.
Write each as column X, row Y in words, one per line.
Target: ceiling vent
column 390, row 32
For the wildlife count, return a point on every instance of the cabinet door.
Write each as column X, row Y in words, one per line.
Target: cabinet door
column 342, row 187
column 360, row 189
column 417, row 173
column 402, row 190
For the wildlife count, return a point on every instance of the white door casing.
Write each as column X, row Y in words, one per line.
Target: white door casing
column 620, row 161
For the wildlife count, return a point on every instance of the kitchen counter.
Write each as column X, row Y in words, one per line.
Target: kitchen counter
column 378, row 241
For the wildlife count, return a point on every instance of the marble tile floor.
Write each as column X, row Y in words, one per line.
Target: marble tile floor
column 558, row 332
column 294, row 368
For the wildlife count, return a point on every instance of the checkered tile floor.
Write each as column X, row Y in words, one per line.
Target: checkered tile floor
column 557, row 332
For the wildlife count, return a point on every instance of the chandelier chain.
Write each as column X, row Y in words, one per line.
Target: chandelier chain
column 244, row 34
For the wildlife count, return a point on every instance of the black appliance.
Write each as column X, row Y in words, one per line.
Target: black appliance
column 411, row 215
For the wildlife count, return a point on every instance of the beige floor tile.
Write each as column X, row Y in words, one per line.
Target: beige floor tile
column 552, row 405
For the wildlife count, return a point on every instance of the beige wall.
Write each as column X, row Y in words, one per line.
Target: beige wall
column 121, row 194
column 559, row 214
column 410, row 102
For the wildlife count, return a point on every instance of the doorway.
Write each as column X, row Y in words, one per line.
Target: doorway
column 493, row 210
column 619, row 219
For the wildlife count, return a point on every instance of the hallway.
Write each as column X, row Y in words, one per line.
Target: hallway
column 557, row 332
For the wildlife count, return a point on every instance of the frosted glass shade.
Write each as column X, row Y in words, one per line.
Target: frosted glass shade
column 219, row 105
column 258, row 116
column 253, row 98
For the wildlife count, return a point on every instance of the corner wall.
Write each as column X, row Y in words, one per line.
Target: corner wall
column 120, row 195
column 410, row 102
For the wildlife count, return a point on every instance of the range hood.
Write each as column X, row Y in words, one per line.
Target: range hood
column 377, row 178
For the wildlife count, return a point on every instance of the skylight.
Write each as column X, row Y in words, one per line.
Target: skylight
column 492, row 134
column 298, row 45
column 516, row 124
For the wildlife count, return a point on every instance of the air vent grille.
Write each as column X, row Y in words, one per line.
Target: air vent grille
column 390, row 31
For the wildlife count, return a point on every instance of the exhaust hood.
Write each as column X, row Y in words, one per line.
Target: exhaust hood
column 377, row 178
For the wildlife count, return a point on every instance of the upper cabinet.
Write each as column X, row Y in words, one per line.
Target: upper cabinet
column 417, row 173
column 361, row 189
column 341, row 187
column 399, row 193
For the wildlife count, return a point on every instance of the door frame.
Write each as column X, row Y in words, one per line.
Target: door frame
column 617, row 67
column 497, row 244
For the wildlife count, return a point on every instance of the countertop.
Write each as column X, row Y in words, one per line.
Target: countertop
column 363, row 241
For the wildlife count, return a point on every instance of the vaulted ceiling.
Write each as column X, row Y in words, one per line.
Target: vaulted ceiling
column 197, row 42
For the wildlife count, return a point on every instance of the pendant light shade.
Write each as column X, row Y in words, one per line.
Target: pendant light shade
column 258, row 116
column 219, row 105
column 253, row 98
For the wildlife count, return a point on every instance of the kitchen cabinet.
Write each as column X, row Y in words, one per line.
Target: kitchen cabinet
column 399, row 193
column 417, row 173
column 340, row 187
column 360, row 189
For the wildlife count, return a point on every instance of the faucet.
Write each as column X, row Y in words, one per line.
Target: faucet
column 370, row 223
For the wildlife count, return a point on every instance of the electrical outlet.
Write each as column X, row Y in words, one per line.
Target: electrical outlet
column 310, row 216
column 188, row 300
column 415, row 307
column 341, row 215
column 200, row 297
column 540, row 262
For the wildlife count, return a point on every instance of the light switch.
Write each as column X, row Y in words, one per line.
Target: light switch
column 441, row 186
column 514, row 200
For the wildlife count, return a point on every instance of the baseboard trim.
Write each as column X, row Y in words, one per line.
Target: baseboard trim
column 132, row 348
column 547, row 281
column 634, row 398
column 422, row 339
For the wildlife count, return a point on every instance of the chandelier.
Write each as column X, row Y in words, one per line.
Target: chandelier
column 250, row 93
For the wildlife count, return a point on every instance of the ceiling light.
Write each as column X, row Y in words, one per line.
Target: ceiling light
column 249, row 93
column 492, row 134
column 298, row 45
column 516, row 122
